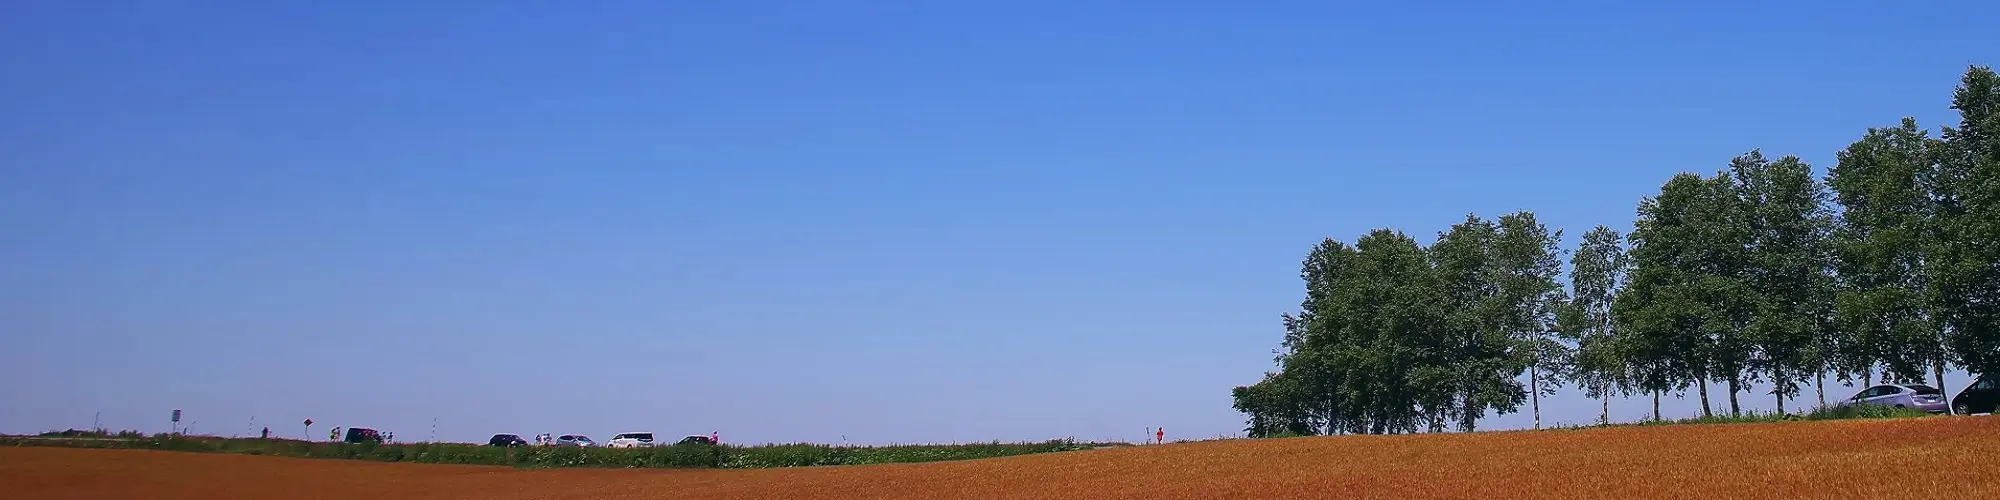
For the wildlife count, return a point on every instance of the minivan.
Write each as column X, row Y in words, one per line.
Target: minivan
column 630, row 440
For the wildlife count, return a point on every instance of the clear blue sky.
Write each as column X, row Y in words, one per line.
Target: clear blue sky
column 785, row 221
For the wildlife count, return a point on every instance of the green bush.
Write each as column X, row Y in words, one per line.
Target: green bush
column 1863, row 411
column 1820, row 413
column 810, row 455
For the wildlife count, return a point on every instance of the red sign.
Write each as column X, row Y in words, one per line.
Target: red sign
column 309, row 422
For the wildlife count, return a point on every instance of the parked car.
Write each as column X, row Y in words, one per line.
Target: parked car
column 697, row 439
column 363, row 435
column 630, row 440
column 1983, row 396
column 507, row 440
column 1915, row 396
column 574, row 440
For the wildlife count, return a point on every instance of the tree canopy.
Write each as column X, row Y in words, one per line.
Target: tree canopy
column 1760, row 272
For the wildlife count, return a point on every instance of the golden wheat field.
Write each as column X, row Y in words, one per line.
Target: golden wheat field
column 1945, row 457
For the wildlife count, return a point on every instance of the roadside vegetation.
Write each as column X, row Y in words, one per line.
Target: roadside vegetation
column 1882, row 271
column 676, row 456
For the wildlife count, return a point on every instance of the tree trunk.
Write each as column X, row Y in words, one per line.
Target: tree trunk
column 1938, row 370
column 1735, row 410
column 1780, row 391
column 1656, row 405
column 1701, row 385
column 1605, row 417
column 1535, row 389
column 1820, row 382
column 1469, row 420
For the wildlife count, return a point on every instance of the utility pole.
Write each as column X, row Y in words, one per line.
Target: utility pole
column 434, row 429
column 94, row 422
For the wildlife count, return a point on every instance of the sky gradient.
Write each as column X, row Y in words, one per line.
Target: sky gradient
column 899, row 222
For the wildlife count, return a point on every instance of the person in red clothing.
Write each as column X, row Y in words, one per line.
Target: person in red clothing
column 714, row 437
column 1160, row 436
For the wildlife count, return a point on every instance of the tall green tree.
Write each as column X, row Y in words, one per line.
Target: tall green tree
column 1882, row 307
column 1965, row 250
column 1684, row 304
column 1486, row 370
column 1368, row 351
column 1789, row 268
column 1317, row 332
column 1274, row 406
column 1725, row 237
column 1526, row 257
column 1392, row 307
column 1596, row 269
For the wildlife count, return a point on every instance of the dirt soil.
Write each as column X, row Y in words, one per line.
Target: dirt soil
column 1946, row 457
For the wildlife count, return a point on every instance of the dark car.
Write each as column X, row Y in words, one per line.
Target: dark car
column 507, row 440
column 363, row 435
column 696, row 440
column 1980, row 397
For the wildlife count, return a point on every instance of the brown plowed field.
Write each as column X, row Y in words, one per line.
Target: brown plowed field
column 1922, row 458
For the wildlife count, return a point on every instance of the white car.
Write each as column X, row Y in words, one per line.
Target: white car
column 630, row 440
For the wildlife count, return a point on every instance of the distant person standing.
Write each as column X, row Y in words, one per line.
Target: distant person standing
column 714, row 437
column 267, row 432
column 1160, row 436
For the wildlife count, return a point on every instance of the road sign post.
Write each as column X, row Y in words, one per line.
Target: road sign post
column 309, row 429
column 176, row 427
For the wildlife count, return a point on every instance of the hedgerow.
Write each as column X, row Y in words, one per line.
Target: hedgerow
column 676, row 456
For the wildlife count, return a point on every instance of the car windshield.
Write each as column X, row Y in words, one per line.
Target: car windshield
column 506, row 436
column 1925, row 389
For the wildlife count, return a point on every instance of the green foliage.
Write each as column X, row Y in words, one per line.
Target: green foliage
column 1963, row 253
column 1881, row 309
column 1790, row 270
column 1863, row 411
column 1274, row 406
column 1597, row 268
column 1373, row 351
column 1481, row 352
column 1682, row 305
column 806, row 455
column 1526, row 264
column 1739, row 277
column 1750, row 417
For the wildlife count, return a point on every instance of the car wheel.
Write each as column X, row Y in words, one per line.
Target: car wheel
column 1961, row 409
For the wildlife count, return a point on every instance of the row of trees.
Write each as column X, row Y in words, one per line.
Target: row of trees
column 1759, row 273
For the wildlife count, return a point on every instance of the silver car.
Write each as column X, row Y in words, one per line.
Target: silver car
column 1915, row 396
column 574, row 440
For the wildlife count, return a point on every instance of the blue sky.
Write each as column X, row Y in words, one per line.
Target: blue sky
column 896, row 222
